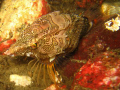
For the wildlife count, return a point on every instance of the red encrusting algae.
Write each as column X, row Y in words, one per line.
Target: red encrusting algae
column 100, row 72
column 45, row 8
column 5, row 45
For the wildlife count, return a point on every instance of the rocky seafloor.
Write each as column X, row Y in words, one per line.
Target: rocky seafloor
column 94, row 65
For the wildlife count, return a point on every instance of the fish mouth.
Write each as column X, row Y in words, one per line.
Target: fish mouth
column 8, row 53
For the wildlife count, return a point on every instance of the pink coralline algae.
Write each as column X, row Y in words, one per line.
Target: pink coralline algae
column 100, row 72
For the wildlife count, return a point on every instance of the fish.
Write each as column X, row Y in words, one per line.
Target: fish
column 47, row 38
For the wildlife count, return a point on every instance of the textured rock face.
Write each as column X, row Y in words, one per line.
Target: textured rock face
column 17, row 14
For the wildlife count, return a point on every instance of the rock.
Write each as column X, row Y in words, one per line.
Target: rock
column 100, row 72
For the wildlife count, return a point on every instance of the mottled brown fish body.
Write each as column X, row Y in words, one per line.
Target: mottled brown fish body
column 49, row 35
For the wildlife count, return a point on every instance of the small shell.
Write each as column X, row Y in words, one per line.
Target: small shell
column 113, row 24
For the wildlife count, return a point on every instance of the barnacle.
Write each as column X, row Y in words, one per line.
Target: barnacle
column 113, row 24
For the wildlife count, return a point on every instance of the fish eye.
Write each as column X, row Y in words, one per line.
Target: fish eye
column 34, row 46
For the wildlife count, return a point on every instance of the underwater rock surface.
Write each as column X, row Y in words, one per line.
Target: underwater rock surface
column 95, row 63
column 100, row 72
